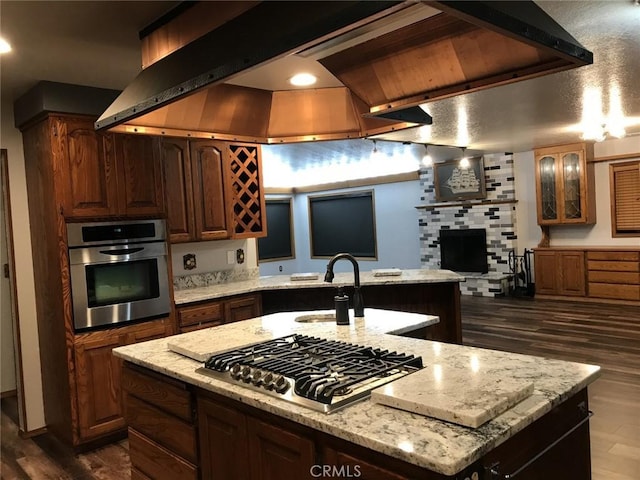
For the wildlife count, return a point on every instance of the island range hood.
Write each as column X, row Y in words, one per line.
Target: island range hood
column 389, row 57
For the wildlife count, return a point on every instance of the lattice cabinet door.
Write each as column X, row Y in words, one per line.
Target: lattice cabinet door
column 246, row 194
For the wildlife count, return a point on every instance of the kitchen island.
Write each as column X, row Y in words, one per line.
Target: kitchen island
column 431, row 292
column 183, row 424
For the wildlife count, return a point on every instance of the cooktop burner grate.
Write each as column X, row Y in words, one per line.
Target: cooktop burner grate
column 324, row 374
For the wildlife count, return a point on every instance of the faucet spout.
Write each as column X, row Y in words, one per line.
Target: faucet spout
column 358, row 305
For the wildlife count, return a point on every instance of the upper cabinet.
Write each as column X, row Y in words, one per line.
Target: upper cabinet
column 565, row 184
column 213, row 190
column 103, row 175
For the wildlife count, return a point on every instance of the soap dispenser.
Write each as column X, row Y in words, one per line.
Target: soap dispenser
column 342, row 308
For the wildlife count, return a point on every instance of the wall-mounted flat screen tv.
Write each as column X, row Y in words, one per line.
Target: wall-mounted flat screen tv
column 343, row 223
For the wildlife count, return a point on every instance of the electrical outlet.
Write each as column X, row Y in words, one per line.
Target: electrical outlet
column 279, row 268
column 231, row 257
column 239, row 256
column 189, row 261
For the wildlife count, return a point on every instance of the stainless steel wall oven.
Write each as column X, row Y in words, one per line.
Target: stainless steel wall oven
column 118, row 272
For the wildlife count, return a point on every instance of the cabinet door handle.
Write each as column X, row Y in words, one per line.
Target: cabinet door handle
column 494, row 470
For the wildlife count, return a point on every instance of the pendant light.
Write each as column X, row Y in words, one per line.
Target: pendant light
column 464, row 161
column 427, row 160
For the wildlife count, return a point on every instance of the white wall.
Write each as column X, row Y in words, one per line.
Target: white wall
column 212, row 256
column 11, row 139
column 598, row 234
column 396, row 230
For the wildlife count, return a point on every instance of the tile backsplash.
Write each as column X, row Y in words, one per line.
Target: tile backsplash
column 195, row 280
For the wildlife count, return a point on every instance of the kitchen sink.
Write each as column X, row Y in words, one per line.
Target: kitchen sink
column 316, row 317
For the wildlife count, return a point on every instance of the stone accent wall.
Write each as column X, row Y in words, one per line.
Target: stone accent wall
column 499, row 220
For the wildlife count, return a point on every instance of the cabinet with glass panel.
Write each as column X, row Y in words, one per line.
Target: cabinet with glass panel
column 565, row 184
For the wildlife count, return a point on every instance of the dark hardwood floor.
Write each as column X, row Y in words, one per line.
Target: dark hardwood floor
column 605, row 335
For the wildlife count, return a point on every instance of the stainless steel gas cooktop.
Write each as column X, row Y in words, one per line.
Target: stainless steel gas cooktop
column 321, row 374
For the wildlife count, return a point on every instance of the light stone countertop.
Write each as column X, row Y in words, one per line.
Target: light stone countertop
column 279, row 282
column 440, row 446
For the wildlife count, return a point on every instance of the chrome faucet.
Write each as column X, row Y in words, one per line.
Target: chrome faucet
column 358, row 306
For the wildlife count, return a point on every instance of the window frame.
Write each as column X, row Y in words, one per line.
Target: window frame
column 635, row 164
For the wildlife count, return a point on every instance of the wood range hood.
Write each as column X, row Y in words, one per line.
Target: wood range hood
column 389, row 57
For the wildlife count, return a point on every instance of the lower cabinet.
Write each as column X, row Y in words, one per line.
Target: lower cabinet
column 179, row 431
column 98, row 379
column 160, row 412
column 614, row 274
column 235, row 445
column 597, row 273
column 207, row 314
column 560, row 272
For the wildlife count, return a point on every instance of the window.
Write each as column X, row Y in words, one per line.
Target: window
column 343, row 223
column 625, row 199
column 278, row 244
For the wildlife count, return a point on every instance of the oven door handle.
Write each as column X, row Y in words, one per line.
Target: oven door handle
column 122, row 251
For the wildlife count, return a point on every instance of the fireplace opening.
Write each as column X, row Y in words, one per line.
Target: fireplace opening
column 464, row 250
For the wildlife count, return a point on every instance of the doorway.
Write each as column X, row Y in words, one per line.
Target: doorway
column 11, row 376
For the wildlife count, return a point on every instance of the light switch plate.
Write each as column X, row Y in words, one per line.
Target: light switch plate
column 231, row 257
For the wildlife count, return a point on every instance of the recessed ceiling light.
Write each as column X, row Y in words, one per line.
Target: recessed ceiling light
column 4, row 46
column 303, row 79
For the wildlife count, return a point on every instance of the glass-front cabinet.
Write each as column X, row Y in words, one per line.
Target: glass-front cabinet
column 565, row 184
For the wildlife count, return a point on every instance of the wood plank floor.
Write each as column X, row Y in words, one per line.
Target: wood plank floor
column 606, row 335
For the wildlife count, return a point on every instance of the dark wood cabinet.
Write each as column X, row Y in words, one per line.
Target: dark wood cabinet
column 209, row 199
column 178, row 190
column 84, row 167
column 242, row 307
column 75, row 173
column 223, row 441
column 237, row 446
column 160, row 413
column 210, row 313
column 101, row 175
column 236, row 441
column 97, row 376
column 140, row 189
column 213, row 190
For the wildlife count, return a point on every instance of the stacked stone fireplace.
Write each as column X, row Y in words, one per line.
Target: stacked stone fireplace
column 495, row 214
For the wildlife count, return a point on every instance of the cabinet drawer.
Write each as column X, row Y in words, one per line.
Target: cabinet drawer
column 617, row 291
column 615, row 256
column 612, row 266
column 209, row 312
column 165, row 393
column 198, row 326
column 167, row 430
column 598, row 276
column 156, row 462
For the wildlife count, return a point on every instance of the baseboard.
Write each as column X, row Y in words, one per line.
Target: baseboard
column 9, row 393
column 609, row 301
column 32, row 433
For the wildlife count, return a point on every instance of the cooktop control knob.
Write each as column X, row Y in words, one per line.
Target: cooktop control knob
column 281, row 384
column 267, row 381
column 235, row 371
column 245, row 374
column 256, row 376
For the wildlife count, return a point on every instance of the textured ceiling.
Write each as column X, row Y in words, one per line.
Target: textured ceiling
column 96, row 44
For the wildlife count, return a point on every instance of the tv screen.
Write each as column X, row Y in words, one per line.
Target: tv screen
column 278, row 244
column 343, row 223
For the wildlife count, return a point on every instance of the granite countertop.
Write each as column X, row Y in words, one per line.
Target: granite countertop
column 278, row 282
column 440, row 446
